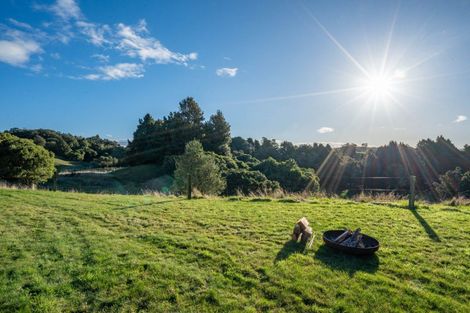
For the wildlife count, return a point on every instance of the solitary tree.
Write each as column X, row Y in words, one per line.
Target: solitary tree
column 197, row 170
column 22, row 161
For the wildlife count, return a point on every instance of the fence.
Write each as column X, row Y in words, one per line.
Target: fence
column 411, row 190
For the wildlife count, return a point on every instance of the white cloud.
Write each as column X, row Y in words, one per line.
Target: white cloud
column 460, row 119
column 17, row 46
column 17, row 52
column 95, row 33
column 101, row 57
column 135, row 42
column 20, row 41
column 116, row 72
column 226, row 71
column 64, row 9
column 20, row 24
column 325, row 130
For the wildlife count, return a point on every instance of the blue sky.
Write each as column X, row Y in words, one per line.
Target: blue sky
column 303, row 71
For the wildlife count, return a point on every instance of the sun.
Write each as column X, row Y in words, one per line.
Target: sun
column 381, row 87
column 378, row 86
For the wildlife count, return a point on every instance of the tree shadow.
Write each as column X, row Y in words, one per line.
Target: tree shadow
column 143, row 205
column 290, row 247
column 349, row 263
column 431, row 233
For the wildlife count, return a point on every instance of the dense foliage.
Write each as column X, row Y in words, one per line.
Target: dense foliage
column 22, row 161
column 69, row 147
column 155, row 139
column 305, row 155
column 354, row 169
column 196, row 169
column 258, row 166
column 290, row 176
column 453, row 183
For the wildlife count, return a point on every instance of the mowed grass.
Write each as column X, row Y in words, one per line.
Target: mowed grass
column 70, row 252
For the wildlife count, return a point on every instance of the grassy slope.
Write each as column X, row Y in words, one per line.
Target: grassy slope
column 62, row 252
column 133, row 180
column 65, row 165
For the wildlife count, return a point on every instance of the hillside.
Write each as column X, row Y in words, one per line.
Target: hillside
column 64, row 252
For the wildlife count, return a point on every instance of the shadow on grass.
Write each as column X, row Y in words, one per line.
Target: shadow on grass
column 290, row 247
column 260, row 200
column 427, row 228
column 392, row 205
column 142, row 205
column 346, row 262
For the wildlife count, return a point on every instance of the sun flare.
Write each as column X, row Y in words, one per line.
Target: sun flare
column 381, row 87
column 378, row 86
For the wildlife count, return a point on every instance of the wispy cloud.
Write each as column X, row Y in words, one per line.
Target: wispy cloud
column 17, row 52
column 116, row 72
column 101, row 57
column 226, row 71
column 460, row 119
column 96, row 34
column 17, row 46
column 20, row 41
column 63, row 9
column 20, row 24
column 325, row 130
column 136, row 42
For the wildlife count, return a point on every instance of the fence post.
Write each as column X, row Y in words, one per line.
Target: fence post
column 411, row 199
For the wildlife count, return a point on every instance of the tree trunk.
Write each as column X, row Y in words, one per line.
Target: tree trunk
column 190, row 187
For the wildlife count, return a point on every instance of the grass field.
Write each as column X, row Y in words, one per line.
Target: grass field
column 71, row 252
column 129, row 180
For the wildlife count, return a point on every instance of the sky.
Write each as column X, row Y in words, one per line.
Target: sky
column 303, row 71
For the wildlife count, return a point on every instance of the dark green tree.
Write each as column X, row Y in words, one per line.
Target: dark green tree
column 196, row 169
column 24, row 162
column 143, row 134
column 217, row 134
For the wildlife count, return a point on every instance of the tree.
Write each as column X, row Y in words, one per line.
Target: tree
column 217, row 134
column 186, row 124
column 22, row 161
column 239, row 144
column 142, row 135
column 196, row 169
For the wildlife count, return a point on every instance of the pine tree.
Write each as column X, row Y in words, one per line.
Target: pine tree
column 217, row 134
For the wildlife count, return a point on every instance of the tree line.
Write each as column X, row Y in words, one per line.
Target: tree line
column 252, row 166
column 95, row 149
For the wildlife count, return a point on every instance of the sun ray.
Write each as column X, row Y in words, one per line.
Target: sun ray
column 389, row 41
column 337, row 43
column 304, row 95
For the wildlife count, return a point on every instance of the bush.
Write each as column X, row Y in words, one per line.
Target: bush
column 106, row 161
column 453, row 183
column 290, row 176
column 247, row 182
column 22, row 161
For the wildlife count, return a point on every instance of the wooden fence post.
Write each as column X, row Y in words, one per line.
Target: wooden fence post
column 411, row 199
column 190, row 187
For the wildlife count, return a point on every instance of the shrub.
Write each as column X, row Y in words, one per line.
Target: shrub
column 290, row 176
column 246, row 182
column 22, row 161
